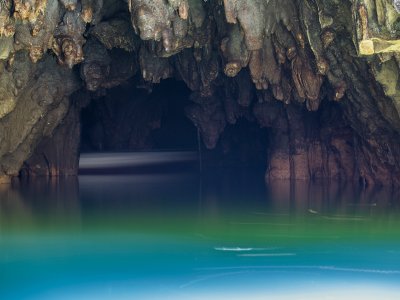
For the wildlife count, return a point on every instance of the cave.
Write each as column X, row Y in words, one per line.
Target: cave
column 132, row 119
column 325, row 93
column 274, row 118
column 127, row 118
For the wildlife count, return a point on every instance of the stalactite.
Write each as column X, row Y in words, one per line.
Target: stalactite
column 237, row 57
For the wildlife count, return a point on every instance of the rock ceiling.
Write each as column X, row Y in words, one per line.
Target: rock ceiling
column 248, row 53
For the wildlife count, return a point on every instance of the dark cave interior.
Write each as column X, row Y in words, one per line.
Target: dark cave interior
column 127, row 118
column 143, row 118
column 288, row 141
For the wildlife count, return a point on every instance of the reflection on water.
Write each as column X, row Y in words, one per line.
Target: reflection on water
column 39, row 204
column 179, row 236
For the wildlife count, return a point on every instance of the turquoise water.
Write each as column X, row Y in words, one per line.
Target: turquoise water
column 178, row 236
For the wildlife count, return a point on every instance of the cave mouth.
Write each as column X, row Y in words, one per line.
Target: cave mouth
column 128, row 118
column 245, row 63
column 134, row 118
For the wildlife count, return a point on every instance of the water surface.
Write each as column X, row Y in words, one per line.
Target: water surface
column 178, row 235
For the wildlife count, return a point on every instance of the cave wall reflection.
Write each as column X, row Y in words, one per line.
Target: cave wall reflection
column 328, row 196
column 40, row 203
column 214, row 195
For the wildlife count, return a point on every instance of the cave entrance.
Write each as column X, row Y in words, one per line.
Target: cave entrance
column 128, row 118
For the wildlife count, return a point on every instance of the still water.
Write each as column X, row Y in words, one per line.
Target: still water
column 178, row 235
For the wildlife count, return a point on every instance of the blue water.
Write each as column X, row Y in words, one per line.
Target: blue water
column 223, row 235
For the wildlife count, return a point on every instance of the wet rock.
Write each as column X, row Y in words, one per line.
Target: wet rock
column 116, row 33
column 208, row 116
column 58, row 154
column 39, row 107
column 308, row 147
column 68, row 39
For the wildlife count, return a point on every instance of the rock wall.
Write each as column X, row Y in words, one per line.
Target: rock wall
column 58, row 154
column 36, row 99
column 289, row 65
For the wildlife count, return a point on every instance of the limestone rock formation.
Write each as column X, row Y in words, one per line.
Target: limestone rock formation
column 322, row 76
column 36, row 98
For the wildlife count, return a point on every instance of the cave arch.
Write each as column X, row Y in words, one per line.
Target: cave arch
column 270, row 61
column 156, row 118
column 128, row 118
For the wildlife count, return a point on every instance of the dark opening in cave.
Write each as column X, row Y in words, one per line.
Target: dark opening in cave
column 129, row 118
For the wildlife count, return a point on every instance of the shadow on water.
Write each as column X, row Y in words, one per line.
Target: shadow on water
column 171, row 232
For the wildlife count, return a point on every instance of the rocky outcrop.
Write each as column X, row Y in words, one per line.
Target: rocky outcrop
column 58, row 154
column 35, row 102
column 306, row 145
column 321, row 76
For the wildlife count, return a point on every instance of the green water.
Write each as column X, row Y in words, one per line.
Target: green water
column 179, row 236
